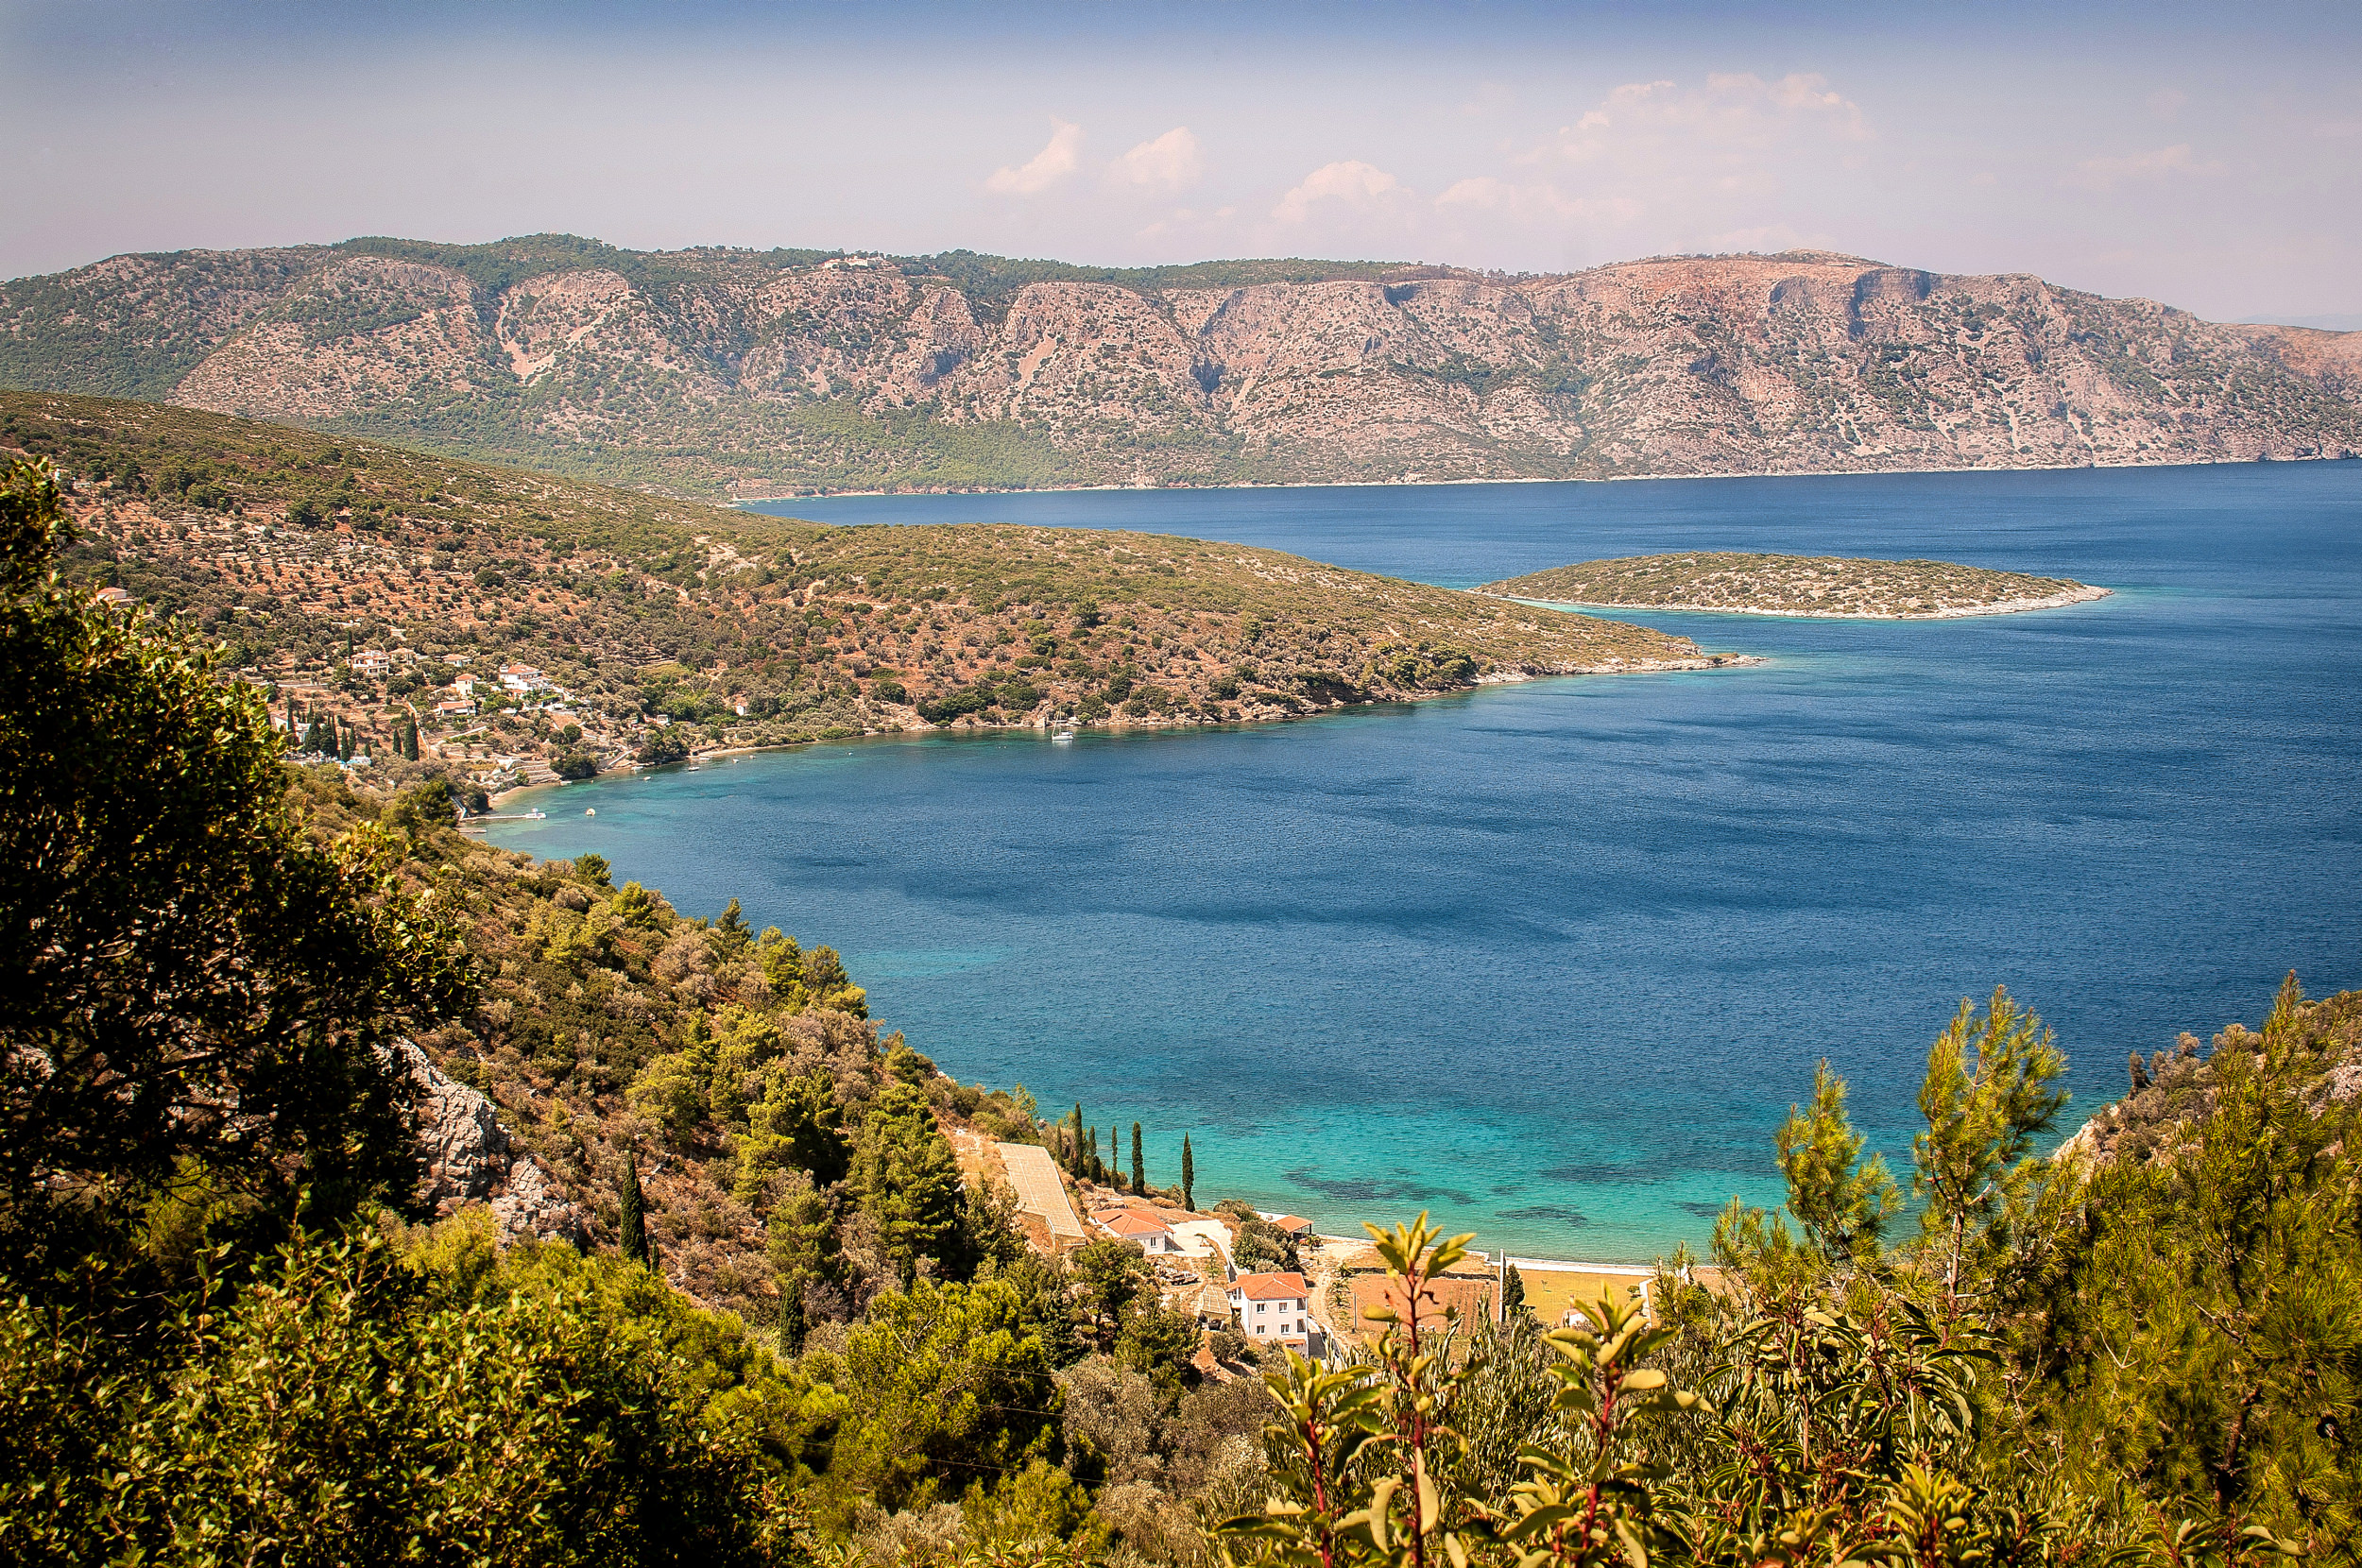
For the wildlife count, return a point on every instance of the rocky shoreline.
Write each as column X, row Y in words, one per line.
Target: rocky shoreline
column 1116, row 724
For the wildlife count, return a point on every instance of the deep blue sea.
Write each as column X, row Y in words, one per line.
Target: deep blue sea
column 1554, row 959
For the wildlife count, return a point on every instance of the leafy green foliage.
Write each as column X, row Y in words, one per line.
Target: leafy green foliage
column 349, row 1403
column 942, row 1387
column 1257, row 1246
column 2208, row 1346
column 194, row 987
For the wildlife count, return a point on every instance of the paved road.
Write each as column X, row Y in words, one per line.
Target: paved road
column 1035, row 1176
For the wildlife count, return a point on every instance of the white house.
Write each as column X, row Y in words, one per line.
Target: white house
column 1155, row 1237
column 522, row 678
column 371, row 661
column 1272, row 1308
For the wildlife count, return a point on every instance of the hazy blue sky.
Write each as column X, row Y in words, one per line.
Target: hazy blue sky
column 2210, row 157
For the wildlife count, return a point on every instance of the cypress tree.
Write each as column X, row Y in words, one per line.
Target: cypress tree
column 1188, row 1176
column 1513, row 1293
column 632, row 1225
column 1140, row 1166
column 1074, row 1142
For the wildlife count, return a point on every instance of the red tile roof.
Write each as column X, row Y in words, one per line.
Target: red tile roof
column 1131, row 1223
column 1267, row 1287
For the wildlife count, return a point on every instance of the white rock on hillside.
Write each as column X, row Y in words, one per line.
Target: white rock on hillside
column 470, row 1158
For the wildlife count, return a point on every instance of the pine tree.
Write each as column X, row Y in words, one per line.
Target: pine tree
column 1988, row 1093
column 631, row 1226
column 1188, row 1176
column 1140, row 1166
column 1842, row 1201
column 908, row 1180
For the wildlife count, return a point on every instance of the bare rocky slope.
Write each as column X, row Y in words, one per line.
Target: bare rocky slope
column 726, row 372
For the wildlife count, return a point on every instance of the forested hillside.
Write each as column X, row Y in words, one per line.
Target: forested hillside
column 243, row 1320
column 363, row 582
column 718, row 373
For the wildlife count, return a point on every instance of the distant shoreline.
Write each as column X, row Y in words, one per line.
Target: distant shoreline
column 741, row 504
column 1482, row 682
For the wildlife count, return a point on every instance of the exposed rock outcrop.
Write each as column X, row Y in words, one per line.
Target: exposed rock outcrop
column 723, row 370
column 2173, row 1093
column 470, row 1158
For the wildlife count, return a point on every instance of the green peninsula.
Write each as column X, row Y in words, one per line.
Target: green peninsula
column 1750, row 584
column 528, row 626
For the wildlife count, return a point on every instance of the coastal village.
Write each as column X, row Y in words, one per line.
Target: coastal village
column 1317, row 1302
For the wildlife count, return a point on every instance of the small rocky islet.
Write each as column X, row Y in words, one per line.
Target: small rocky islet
column 1833, row 586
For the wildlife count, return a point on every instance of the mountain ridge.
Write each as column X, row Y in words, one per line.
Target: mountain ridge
column 758, row 375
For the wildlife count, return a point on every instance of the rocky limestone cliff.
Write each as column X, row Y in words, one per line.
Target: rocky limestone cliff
column 709, row 371
column 470, row 1158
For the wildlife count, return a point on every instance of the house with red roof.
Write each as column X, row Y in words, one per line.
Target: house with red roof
column 1274, row 1308
column 1153, row 1234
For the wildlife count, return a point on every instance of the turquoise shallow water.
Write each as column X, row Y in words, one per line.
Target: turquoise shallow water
column 1554, row 959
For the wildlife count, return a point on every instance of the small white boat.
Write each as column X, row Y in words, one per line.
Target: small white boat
column 536, row 816
column 1063, row 735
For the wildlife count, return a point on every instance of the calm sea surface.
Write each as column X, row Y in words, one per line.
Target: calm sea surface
column 1554, row 959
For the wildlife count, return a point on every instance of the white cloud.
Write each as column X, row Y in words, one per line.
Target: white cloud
column 2106, row 174
column 1537, row 204
column 1174, row 160
column 1732, row 114
column 1351, row 182
column 1055, row 161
